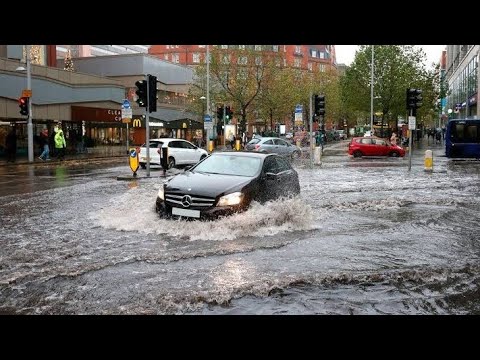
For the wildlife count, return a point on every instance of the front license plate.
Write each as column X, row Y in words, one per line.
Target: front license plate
column 186, row 212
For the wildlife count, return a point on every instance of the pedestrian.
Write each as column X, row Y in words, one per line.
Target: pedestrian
column 45, row 147
column 60, row 144
column 231, row 138
column 11, row 145
column 393, row 138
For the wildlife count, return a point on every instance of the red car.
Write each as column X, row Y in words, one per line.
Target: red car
column 373, row 146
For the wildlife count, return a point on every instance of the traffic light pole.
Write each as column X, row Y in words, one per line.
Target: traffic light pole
column 311, row 130
column 224, row 127
column 410, row 144
column 29, row 120
column 147, row 125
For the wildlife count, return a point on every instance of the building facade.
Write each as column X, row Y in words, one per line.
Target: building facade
column 463, row 81
column 307, row 57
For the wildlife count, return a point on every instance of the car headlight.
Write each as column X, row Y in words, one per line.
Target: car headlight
column 231, row 199
column 161, row 193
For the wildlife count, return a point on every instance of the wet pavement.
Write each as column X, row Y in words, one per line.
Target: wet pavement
column 366, row 236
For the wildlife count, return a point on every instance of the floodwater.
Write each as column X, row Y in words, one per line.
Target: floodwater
column 364, row 237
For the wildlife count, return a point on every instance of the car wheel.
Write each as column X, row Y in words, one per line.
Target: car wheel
column 143, row 165
column 295, row 155
column 171, row 162
column 394, row 154
column 357, row 153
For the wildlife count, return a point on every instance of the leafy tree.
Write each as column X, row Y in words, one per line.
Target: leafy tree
column 396, row 68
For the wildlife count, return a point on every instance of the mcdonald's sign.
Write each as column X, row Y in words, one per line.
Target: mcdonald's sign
column 137, row 123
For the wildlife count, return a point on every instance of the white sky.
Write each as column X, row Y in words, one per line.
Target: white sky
column 346, row 53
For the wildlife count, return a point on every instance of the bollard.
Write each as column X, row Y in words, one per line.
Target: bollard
column 211, row 145
column 237, row 144
column 318, row 155
column 428, row 160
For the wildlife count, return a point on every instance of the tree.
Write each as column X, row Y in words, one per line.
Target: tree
column 68, row 65
column 396, row 67
column 238, row 75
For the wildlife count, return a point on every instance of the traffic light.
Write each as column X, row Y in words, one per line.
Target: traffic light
column 220, row 113
column 23, row 104
column 418, row 98
column 228, row 114
column 411, row 99
column 319, row 105
column 152, row 93
column 414, row 99
column 141, row 93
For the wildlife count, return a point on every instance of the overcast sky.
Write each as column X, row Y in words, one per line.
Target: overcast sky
column 346, row 53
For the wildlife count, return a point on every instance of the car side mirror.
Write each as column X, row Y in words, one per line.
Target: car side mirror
column 188, row 167
column 270, row 176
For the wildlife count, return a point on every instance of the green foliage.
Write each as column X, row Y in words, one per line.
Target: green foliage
column 396, row 68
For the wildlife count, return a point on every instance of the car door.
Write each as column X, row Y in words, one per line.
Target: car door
column 175, row 150
column 192, row 153
column 380, row 147
column 280, row 146
column 270, row 180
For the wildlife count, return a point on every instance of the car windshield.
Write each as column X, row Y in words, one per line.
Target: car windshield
column 229, row 165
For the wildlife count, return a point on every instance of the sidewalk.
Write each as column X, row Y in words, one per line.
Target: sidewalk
column 68, row 159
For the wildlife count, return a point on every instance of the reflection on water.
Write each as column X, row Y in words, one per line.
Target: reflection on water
column 357, row 241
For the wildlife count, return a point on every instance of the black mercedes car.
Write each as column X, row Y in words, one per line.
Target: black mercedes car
column 227, row 182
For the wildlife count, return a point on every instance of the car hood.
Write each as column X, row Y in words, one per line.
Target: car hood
column 202, row 184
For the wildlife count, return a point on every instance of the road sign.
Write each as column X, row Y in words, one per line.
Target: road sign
column 126, row 104
column 26, row 93
column 298, row 119
column 127, row 113
column 133, row 160
column 298, row 108
column 411, row 123
column 126, row 120
column 207, row 118
column 208, row 126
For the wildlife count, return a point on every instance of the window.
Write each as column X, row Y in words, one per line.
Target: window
column 284, row 62
column 242, row 60
column 196, row 58
column 310, row 66
column 282, row 164
column 226, row 59
column 242, row 74
column 314, row 53
column 167, row 46
column 224, row 46
column 176, row 58
column 258, row 47
column 321, row 67
column 258, row 60
column 165, row 56
column 280, row 142
column 275, row 48
column 241, row 47
column 322, row 55
column 298, row 49
column 202, row 46
column 296, row 62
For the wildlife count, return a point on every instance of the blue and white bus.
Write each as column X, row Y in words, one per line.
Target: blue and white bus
column 462, row 138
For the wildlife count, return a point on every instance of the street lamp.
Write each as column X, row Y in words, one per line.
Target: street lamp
column 29, row 120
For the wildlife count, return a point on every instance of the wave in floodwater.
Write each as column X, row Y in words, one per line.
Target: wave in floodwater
column 134, row 211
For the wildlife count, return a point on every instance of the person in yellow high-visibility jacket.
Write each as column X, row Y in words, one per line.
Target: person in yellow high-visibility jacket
column 60, row 144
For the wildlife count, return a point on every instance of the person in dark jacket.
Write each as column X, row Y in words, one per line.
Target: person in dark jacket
column 11, row 145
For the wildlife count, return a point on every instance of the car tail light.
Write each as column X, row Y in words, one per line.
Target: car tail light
column 257, row 146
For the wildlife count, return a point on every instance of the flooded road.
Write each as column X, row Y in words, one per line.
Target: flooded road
column 365, row 237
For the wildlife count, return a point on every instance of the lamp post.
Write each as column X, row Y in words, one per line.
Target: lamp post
column 203, row 98
column 371, row 94
column 29, row 119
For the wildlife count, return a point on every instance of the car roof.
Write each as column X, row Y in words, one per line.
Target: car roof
column 166, row 140
column 243, row 154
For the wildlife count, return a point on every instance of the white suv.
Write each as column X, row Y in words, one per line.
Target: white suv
column 180, row 152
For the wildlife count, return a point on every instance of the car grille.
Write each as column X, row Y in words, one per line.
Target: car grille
column 187, row 200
